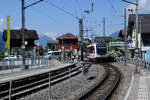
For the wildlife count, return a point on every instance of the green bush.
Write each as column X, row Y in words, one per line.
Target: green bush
column 59, row 57
column 2, row 52
column 2, row 56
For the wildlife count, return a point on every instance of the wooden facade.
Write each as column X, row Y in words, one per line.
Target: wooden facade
column 16, row 38
column 68, row 41
column 122, row 34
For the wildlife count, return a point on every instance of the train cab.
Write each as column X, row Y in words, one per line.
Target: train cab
column 97, row 51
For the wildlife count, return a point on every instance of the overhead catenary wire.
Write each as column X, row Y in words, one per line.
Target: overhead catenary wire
column 75, row 7
column 112, row 6
column 50, row 18
column 115, row 10
column 78, row 4
column 63, row 10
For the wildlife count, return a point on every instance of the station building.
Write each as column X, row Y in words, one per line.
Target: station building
column 16, row 39
column 52, row 45
column 69, row 42
column 143, row 33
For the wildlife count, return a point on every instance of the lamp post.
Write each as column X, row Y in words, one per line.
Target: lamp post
column 136, row 4
column 23, row 27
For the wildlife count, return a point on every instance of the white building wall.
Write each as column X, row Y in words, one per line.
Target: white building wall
column 140, row 43
column 133, row 39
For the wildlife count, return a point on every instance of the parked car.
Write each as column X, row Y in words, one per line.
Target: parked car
column 10, row 57
column 53, row 54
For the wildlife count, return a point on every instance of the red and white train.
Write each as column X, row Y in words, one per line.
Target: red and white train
column 97, row 51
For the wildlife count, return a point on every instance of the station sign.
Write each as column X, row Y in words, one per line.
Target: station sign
column 116, row 44
column 129, row 41
column 137, row 52
column 23, row 46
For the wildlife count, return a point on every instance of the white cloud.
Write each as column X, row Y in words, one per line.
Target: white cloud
column 17, row 27
column 1, row 21
column 143, row 5
column 52, row 35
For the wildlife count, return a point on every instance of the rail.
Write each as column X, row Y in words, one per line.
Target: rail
column 101, row 83
column 26, row 85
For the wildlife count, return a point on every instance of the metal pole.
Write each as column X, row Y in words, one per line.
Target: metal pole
column 81, row 36
column 104, row 26
column 22, row 30
column 92, row 4
column 92, row 34
column 140, row 42
column 47, row 60
column 70, row 82
column 10, row 89
column 62, row 51
column 137, row 60
column 49, row 92
column 38, row 60
column 125, row 61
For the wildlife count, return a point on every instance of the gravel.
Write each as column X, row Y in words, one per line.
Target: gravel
column 123, row 86
column 62, row 91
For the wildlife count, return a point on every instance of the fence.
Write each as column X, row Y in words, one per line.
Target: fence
column 7, row 64
column 142, row 63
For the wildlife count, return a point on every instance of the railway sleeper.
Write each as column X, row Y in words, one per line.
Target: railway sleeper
column 35, row 88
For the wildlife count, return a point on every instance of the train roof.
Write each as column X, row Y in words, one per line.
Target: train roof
column 96, row 43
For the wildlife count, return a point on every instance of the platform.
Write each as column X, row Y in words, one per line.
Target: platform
column 28, row 73
column 140, row 85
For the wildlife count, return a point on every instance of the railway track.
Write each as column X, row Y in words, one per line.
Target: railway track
column 104, row 88
column 28, row 85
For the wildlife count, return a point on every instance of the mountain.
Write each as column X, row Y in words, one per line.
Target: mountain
column 2, row 43
column 43, row 40
column 115, row 35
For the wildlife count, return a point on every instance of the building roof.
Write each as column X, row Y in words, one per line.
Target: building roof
column 67, row 36
column 38, row 47
column 121, row 33
column 145, row 23
column 16, row 34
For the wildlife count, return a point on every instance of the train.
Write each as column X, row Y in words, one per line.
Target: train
column 97, row 52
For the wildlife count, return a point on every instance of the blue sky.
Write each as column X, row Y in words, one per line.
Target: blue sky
column 51, row 21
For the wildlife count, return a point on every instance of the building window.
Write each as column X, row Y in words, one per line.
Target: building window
column 70, row 44
column 146, row 42
column 65, row 44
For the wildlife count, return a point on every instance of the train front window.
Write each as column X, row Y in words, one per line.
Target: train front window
column 101, row 50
